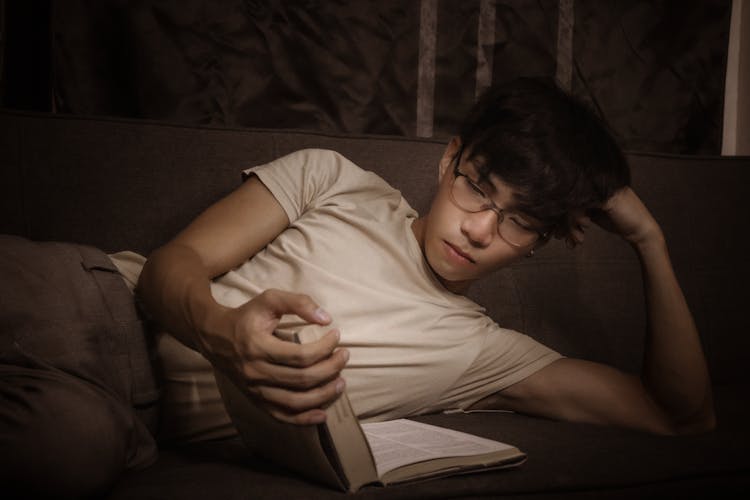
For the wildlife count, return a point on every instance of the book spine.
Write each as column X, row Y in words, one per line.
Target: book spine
column 350, row 452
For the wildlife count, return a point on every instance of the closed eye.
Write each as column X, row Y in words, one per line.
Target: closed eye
column 521, row 223
column 477, row 190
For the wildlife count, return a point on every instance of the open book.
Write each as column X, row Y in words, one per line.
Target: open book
column 346, row 455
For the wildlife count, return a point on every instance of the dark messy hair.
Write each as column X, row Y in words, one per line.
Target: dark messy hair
column 549, row 147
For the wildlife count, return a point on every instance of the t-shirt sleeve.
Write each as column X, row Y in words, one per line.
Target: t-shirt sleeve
column 506, row 357
column 305, row 179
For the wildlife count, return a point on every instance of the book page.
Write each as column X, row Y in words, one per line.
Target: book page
column 399, row 442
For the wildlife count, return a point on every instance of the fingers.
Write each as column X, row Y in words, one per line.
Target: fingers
column 311, row 417
column 272, row 374
column 293, row 382
column 279, row 303
column 257, row 320
column 303, row 407
column 299, row 355
column 579, row 224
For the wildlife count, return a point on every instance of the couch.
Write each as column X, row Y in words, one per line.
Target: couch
column 125, row 184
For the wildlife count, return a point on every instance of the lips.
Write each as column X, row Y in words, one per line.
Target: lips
column 458, row 254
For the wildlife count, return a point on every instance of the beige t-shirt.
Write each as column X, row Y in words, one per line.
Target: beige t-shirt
column 415, row 347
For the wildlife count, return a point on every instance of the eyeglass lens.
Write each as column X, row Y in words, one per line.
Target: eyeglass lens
column 469, row 197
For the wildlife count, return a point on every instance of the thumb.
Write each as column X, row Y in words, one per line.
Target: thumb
column 279, row 303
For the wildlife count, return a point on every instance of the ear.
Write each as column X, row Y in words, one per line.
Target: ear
column 449, row 155
column 540, row 244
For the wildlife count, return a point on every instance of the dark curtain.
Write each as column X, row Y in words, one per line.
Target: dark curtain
column 654, row 70
column 321, row 65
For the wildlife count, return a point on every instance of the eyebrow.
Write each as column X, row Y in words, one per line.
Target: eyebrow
column 524, row 210
column 483, row 173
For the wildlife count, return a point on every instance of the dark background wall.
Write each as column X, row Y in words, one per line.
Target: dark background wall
column 654, row 70
column 26, row 60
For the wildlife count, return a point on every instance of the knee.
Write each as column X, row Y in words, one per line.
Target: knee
column 59, row 439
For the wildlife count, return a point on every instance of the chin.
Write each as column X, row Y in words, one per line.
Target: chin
column 447, row 275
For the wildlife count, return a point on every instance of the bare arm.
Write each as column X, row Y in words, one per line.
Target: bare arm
column 673, row 393
column 292, row 381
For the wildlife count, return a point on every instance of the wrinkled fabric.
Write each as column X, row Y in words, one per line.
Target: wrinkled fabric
column 319, row 65
column 653, row 70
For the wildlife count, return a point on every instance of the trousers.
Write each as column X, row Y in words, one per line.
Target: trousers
column 78, row 397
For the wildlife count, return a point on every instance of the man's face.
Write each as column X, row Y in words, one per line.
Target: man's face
column 461, row 246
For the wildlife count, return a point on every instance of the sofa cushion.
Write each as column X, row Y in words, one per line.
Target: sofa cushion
column 564, row 460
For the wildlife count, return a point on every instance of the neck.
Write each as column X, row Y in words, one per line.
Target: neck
column 457, row 287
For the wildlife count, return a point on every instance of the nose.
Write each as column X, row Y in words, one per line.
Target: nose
column 480, row 227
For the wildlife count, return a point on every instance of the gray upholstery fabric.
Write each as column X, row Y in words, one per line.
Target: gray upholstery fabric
column 565, row 461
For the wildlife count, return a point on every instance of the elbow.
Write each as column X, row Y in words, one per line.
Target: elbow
column 697, row 417
column 703, row 425
column 702, row 421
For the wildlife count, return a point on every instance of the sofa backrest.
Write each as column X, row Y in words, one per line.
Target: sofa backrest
column 119, row 184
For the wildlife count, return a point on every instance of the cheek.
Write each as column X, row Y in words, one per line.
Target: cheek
column 443, row 215
column 444, row 223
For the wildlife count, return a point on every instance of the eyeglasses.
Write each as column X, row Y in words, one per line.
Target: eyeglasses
column 511, row 227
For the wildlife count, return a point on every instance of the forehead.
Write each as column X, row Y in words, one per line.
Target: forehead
column 477, row 169
column 503, row 194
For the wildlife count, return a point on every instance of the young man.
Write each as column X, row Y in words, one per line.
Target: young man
column 311, row 238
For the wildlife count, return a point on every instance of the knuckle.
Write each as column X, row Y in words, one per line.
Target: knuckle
column 280, row 380
column 300, row 420
column 305, row 379
column 250, row 350
column 295, row 402
column 247, row 374
column 300, row 302
column 245, row 329
column 268, row 295
column 250, row 373
column 305, row 419
column 341, row 359
column 296, row 418
column 290, row 418
column 254, row 392
column 278, row 415
column 270, row 397
column 257, row 393
column 293, row 359
column 300, row 358
column 323, row 393
column 318, row 351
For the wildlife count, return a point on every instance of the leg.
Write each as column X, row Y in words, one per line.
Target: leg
column 73, row 364
column 62, row 437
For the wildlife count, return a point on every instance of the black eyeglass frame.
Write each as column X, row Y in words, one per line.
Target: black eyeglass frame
column 543, row 236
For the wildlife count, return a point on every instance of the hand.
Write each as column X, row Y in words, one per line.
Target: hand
column 623, row 213
column 293, row 382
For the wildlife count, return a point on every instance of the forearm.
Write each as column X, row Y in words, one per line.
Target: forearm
column 675, row 372
column 175, row 287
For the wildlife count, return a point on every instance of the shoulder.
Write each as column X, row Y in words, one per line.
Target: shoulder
column 308, row 178
column 311, row 158
column 316, row 165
